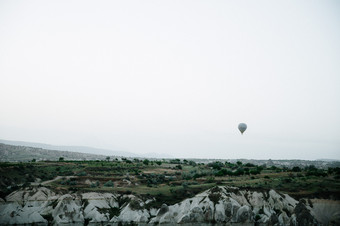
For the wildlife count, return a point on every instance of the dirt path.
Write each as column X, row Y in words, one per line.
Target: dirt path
column 50, row 181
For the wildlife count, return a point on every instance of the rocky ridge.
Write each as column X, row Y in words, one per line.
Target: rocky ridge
column 219, row 205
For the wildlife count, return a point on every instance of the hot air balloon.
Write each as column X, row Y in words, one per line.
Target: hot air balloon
column 242, row 127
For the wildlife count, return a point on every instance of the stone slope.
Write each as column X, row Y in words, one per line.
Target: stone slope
column 219, row 205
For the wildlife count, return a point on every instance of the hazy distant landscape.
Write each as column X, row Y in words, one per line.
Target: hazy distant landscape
column 27, row 151
column 150, row 186
column 83, row 149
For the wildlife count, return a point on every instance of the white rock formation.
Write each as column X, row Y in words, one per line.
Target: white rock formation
column 68, row 210
column 230, row 205
column 129, row 214
column 98, row 206
column 221, row 205
column 25, row 206
column 326, row 211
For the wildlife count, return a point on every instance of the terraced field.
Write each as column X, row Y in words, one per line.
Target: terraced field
column 169, row 181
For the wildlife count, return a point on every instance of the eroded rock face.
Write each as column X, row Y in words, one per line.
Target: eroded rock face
column 221, row 205
column 99, row 207
column 230, row 205
column 326, row 211
column 68, row 210
column 26, row 206
column 129, row 214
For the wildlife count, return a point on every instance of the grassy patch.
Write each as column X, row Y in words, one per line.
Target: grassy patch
column 167, row 181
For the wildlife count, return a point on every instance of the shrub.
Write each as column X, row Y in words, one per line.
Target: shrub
column 155, row 179
column 223, row 172
column 83, row 173
column 114, row 212
column 187, row 176
column 216, row 165
column 48, row 217
column 175, row 161
column 215, row 197
column 249, row 165
column 210, row 179
column 73, row 182
column 254, row 172
column 229, row 164
column 296, row 169
column 135, row 205
column 109, row 184
column 185, row 185
column 239, row 172
column 192, row 163
column 178, row 167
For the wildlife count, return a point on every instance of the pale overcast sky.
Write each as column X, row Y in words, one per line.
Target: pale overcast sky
column 174, row 77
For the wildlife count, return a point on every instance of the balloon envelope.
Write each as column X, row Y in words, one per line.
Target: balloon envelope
column 242, row 127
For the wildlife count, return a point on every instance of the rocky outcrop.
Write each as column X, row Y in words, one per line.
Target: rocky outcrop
column 129, row 214
column 26, row 206
column 68, row 210
column 230, row 205
column 219, row 205
column 326, row 211
column 97, row 207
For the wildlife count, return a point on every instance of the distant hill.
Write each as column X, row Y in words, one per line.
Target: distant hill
column 328, row 160
column 12, row 153
column 82, row 149
column 157, row 156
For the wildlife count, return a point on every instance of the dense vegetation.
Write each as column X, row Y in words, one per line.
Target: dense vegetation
column 168, row 181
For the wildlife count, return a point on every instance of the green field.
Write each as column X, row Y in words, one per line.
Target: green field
column 168, row 181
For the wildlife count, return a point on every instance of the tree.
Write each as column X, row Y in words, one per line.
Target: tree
column 250, row 165
column 178, row 167
column 146, row 162
column 61, row 159
column 33, row 160
column 239, row 172
column 175, row 161
column 254, row 171
column 216, row 165
column 108, row 158
column 192, row 163
column 296, row 169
